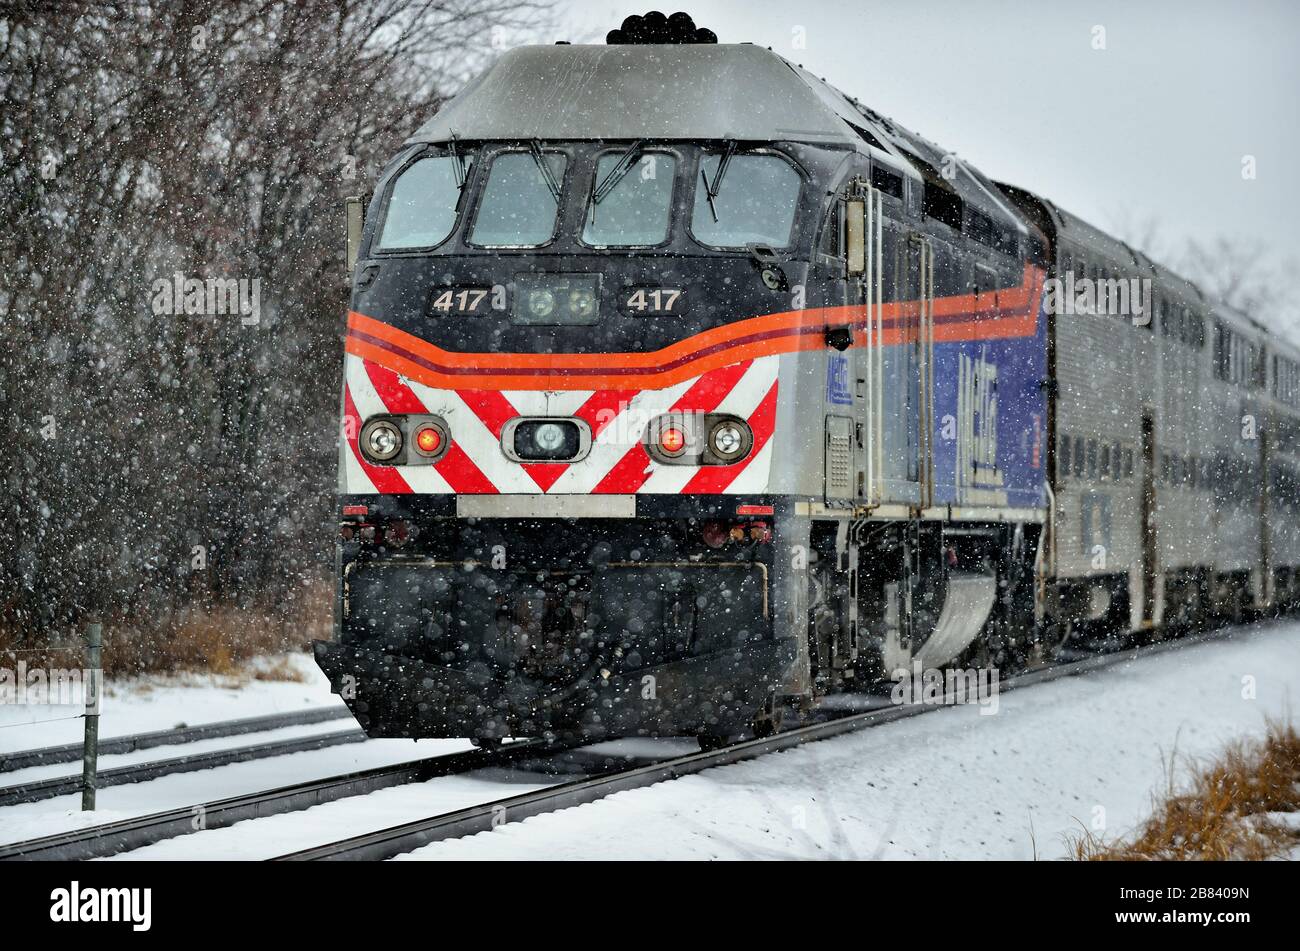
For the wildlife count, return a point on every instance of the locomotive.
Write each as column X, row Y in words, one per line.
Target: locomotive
column 682, row 390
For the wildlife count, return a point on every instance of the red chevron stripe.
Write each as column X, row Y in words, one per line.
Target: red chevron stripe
column 494, row 410
column 455, row 466
column 384, row 478
column 491, row 407
column 545, row 473
column 603, row 406
column 714, row 479
column 629, row 473
column 392, row 392
column 464, row 477
column 712, row 388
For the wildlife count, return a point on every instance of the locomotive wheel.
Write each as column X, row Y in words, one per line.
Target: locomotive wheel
column 765, row 723
column 716, row 741
column 768, row 723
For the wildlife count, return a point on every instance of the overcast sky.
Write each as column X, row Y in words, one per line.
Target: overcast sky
column 1152, row 128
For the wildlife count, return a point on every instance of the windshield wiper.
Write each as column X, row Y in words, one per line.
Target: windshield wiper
column 458, row 162
column 711, row 191
column 535, row 150
column 617, row 173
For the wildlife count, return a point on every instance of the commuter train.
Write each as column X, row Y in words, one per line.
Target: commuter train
column 682, row 390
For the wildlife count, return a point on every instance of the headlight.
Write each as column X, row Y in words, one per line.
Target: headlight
column 548, row 437
column 582, row 303
column 541, row 302
column 556, row 299
column 727, row 439
column 381, row 440
column 545, row 440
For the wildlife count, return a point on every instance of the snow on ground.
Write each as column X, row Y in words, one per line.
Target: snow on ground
column 158, row 703
column 951, row 784
column 145, row 704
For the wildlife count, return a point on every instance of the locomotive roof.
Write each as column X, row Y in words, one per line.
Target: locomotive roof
column 687, row 91
column 1169, row 281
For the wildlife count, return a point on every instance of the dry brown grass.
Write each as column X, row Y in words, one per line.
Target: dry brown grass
column 220, row 640
column 1223, row 814
column 280, row 669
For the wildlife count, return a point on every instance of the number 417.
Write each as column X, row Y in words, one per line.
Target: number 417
column 661, row 300
column 464, row 301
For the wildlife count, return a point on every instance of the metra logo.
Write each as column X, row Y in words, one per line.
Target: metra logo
column 76, row 904
column 838, row 390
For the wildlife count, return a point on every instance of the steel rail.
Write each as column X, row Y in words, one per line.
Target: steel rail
column 128, row 834
column 41, row 789
column 72, row 752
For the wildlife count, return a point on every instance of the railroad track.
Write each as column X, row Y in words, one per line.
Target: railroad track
column 41, row 789
column 397, row 840
column 70, row 753
column 130, row 834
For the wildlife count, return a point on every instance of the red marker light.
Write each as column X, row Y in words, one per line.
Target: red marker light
column 755, row 510
column 428, row 439
column 672, row 440
column 714, row 534
column 398, row 533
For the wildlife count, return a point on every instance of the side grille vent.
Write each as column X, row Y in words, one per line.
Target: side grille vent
column 839, row 457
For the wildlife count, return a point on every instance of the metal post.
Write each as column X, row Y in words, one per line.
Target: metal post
column 90, row 750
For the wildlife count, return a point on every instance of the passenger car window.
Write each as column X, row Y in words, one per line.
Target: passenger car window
column 520, row 200
column 630, row 205
column 753, row 202
column 422, row 204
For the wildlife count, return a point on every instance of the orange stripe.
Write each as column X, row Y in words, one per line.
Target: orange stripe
column 786, row 332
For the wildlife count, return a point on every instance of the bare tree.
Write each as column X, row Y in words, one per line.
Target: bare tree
column 1245, row 273
column 162, row 459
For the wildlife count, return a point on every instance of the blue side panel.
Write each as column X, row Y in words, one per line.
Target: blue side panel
column 991, row 420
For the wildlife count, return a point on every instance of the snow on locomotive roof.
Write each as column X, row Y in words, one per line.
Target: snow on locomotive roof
column 655, row 91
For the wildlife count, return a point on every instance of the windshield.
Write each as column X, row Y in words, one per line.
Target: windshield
column 422, row 205
column 634, row 208
column 518, row 206
column 753, row 203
